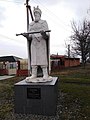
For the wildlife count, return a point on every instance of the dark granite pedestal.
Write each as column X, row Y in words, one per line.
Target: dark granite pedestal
column 36, row 98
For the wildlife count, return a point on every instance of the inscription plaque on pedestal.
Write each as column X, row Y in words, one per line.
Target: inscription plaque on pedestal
column 33, row 93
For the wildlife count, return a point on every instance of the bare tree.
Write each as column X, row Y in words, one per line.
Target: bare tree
column 81, row 40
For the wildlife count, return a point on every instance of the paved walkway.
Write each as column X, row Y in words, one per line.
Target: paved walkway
column 5, row 77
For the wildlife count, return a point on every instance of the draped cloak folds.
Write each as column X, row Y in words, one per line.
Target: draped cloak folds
column 39, row 49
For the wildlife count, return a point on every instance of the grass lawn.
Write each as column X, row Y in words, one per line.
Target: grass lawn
column 74, row 84
column 7, row 96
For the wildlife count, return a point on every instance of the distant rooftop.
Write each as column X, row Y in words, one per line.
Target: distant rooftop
column 56, row 56
column 9, row 59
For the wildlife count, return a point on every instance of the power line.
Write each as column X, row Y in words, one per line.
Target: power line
column 52, row 14
column 10, row 38
column 59, row 22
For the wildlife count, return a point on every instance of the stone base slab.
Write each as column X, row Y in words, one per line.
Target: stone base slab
column 36, row 98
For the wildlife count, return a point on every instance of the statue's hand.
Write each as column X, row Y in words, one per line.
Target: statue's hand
column 43, row 33
column 26, row 35
column 29, row 37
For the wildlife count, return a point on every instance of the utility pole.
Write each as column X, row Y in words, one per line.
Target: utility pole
column 28, row 9
column 28, row 43
column 69, row 54
column 27, row 14
column 69, row 51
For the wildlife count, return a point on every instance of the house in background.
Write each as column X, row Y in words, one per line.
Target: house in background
column 12, row 65
column 9, row 65
column 60, row 61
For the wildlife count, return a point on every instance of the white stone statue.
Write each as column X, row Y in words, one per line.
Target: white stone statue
column 39, row 47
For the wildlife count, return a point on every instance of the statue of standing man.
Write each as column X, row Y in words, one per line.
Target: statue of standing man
column 39, row 46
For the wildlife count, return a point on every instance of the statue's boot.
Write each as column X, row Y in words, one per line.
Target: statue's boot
column 45, row 73
column 34, row 73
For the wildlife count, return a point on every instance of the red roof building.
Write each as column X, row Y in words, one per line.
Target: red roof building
column 60, row 61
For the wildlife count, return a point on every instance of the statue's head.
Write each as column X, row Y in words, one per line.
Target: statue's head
column 37, row 10
column 37, row 13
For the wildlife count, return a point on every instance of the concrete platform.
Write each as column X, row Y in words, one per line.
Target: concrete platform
column 36, row 98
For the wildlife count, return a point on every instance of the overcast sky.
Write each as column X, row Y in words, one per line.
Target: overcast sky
column 58, row 14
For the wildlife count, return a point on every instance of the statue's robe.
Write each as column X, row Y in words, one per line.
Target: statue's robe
column 39, row 47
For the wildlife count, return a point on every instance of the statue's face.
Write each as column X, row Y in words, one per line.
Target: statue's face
column 37, row 16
